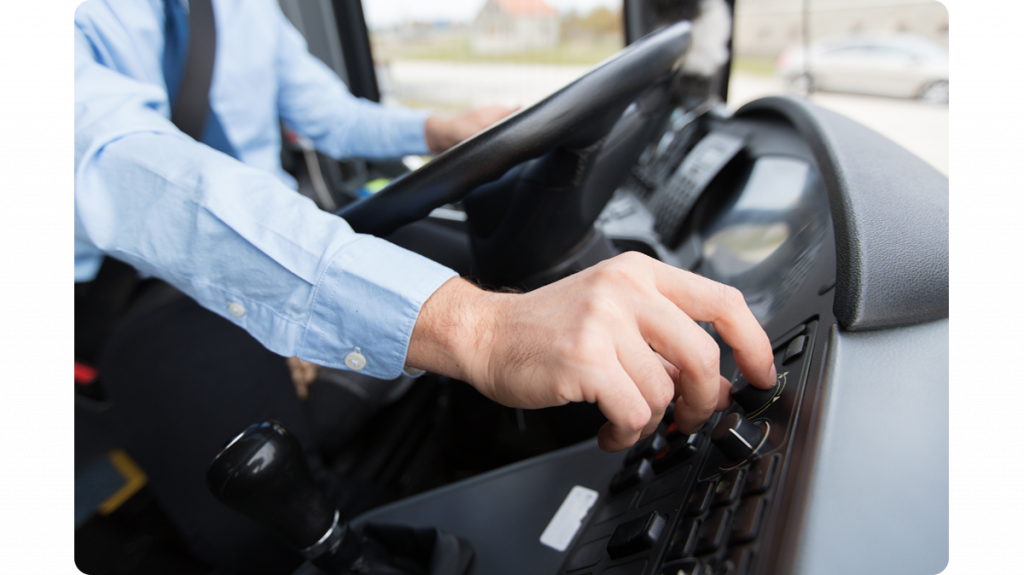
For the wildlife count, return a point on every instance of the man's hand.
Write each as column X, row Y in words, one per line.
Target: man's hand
column 444, row 133
column 622, row 334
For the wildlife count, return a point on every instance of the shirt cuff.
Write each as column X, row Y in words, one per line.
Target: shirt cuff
column 363, row 312
column 410, row 129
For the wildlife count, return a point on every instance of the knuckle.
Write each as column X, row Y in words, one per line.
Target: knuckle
column 732, row 299
column 704, row 411
column 624, row 269
column 595, row 307
column 614, row 274
column 705, row 358
column 632, row 258
column 564, row 392
column 698, row 408
column 637, row 418
column 569, row 340
column 666, row 393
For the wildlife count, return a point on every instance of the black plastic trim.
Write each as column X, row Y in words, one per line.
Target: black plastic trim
column 891, row 216
column 355, row 47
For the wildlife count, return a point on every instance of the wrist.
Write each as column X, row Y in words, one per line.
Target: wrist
column 455, row 332
column 434, row 132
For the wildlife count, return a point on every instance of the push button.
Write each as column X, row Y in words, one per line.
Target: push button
column 748, row 520
column 673, row 433
column 684, row 540
column 729, row 488
column 635, row 474
column 586, row 556
column 759, row 479
column 651, row 445
column 615, row 508
column 637, row 535
column 795, row 349
column 755, row 400
column 665, row 485
column 700, row 498
column 675, row 453
column 714, row 531
column 742, row 560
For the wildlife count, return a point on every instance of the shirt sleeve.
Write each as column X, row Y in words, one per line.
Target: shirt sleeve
column 314, row 102
column 234, row 237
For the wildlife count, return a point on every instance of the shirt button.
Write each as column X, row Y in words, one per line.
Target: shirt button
column 355, row 360
column 236, row 309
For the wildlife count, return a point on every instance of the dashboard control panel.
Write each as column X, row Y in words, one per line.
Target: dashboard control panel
column 780, row 207
column 698, row 504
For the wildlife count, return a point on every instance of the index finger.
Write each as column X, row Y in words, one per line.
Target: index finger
column 724, row 307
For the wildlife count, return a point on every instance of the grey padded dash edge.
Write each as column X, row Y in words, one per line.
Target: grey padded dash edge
column 503, row 512
column 891, row 215
column 878, row 484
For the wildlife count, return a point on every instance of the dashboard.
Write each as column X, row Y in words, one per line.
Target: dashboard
column 837, row 239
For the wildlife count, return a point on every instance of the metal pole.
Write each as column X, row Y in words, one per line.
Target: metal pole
column 806, row 33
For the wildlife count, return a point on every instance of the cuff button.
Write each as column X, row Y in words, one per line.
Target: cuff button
column 236, row 309
column 355, row 360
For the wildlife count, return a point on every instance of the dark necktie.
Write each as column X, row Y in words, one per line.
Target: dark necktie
column 176, row 48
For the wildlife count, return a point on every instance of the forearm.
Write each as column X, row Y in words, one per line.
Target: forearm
column 314, row 102
column 234, row 237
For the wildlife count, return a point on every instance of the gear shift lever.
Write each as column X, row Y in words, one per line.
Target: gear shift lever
column 263, row 475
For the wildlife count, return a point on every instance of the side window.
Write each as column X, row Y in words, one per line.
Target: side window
column 451, row 56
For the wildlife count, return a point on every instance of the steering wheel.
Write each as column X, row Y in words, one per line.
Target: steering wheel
column 574, row 117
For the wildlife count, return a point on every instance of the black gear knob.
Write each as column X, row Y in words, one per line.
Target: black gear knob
column 262, row 474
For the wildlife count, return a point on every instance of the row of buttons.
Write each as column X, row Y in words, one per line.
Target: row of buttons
column 646, row 462
column 709, row 521
column 659, row 452
column 721, row 517
column 711, row 518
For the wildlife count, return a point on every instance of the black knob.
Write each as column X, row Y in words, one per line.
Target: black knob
column 755, row 400
column 262, row 473
column 736, row 437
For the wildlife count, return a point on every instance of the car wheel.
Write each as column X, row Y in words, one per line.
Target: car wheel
column 936, row 92
column 801, row 85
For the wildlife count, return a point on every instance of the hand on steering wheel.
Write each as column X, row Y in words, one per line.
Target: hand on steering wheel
column 575, row 116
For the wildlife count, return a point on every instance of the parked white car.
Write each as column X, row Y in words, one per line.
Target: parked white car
column 900, row 65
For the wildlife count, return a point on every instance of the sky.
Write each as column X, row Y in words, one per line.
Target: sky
column 385, row 13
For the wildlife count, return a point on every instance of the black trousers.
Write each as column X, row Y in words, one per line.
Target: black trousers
column 184, row 381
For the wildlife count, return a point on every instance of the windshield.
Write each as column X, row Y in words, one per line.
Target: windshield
column 454, row 55
column 883, row 63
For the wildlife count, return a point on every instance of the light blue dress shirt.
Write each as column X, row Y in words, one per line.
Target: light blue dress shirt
column 233, row 234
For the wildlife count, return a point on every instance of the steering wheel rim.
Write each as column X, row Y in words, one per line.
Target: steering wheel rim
column 523, row 136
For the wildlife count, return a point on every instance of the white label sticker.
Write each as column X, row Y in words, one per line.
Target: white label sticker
column 568, row 518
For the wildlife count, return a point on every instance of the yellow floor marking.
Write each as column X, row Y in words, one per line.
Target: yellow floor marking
column 134, row 480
